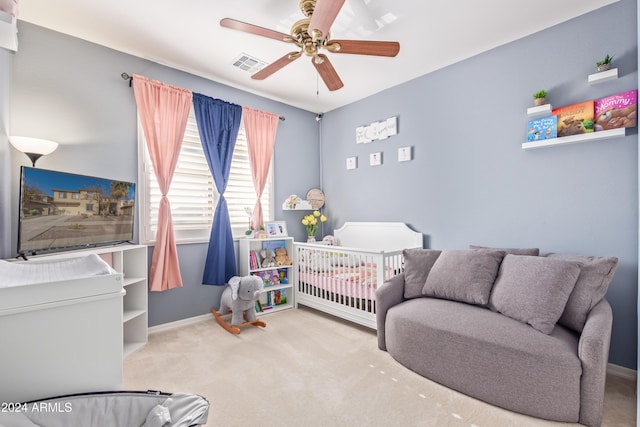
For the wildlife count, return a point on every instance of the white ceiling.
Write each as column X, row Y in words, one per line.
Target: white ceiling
column 186, row 35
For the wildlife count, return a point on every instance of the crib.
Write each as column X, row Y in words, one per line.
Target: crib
column 342, row 279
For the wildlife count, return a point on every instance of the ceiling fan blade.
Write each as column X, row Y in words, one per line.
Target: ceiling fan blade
column 328, row 73
column 363, row 47
column 254, row 29
column 323, row 16
column 275, row 66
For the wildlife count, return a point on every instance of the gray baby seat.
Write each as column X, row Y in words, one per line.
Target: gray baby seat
column 112, row 409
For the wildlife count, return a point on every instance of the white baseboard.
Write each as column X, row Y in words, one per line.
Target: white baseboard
column 178, row 323
column 621, row 371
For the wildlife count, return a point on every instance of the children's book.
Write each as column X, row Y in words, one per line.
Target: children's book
column 575, row 119
column 280, row 297
column 273, row 244
column 283, row 276
column 254, row 259
column 269, row 277
column 544, row 128
column 616, row 111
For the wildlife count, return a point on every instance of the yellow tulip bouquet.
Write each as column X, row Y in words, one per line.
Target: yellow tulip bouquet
column 312, row 221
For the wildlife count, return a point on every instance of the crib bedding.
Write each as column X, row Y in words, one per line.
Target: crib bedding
column 359, row 282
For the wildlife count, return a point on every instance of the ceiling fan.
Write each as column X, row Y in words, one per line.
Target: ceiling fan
column 310, row 35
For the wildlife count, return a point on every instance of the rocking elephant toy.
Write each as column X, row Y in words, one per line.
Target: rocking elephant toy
column 239, row 297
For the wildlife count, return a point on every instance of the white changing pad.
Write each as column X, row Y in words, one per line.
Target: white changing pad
column 15, row 273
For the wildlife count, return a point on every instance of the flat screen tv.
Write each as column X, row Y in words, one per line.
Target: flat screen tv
column 62, row 211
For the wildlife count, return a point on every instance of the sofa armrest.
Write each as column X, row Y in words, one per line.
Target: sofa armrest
column 593, row 351
column 389, row 294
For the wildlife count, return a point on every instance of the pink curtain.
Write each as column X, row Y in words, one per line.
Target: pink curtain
column 163, row 111
column 261, row 128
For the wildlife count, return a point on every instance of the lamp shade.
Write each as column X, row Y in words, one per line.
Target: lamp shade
column 26, row 144
column 34, row 148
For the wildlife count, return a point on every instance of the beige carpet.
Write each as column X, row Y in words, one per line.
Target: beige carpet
column 310, row 369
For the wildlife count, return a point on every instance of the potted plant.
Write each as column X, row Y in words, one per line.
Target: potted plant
column 605, row 64
column 311, row 223
column 540, row 97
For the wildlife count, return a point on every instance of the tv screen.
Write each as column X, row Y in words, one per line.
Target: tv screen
column 61, row 211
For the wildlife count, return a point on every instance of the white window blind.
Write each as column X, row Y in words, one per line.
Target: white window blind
column 193, row 195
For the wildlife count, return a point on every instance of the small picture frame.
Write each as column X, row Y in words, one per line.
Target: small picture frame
column 375, row 159
column 352, row 163
column 276, row 229
column 404, row 154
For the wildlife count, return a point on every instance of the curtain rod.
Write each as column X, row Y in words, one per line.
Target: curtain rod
column 126, row 76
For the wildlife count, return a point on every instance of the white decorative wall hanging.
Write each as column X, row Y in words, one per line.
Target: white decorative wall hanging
column 377, row 131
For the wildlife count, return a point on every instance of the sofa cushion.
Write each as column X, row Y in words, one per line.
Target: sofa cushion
column 417, row 265
column 595, row 276
column 534, row 290
column 464, row 275
column 488, row 356
column 512, row 251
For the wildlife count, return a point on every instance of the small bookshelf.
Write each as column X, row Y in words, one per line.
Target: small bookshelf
column 278, row 279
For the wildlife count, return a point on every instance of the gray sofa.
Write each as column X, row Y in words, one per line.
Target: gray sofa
column 524, row 332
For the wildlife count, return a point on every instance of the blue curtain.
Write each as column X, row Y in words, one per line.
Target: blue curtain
column 218, row 124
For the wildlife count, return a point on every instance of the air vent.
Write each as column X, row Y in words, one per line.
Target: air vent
column 248, row 63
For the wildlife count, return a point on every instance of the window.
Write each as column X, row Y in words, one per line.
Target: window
column 193, row 195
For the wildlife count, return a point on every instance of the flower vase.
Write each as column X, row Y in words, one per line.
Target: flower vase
column 311, row 239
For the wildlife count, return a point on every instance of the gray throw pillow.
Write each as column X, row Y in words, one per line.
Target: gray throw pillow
column 464, row 275
column 534, row 290
column 417, row 265
column 512, row 251
column 594, row 280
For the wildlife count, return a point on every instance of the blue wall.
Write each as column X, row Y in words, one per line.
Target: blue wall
column 471, row 183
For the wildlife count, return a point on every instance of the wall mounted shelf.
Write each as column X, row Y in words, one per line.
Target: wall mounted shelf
column 539, row 111
column 573, row 139
column 297, row 208
column 603, row 76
